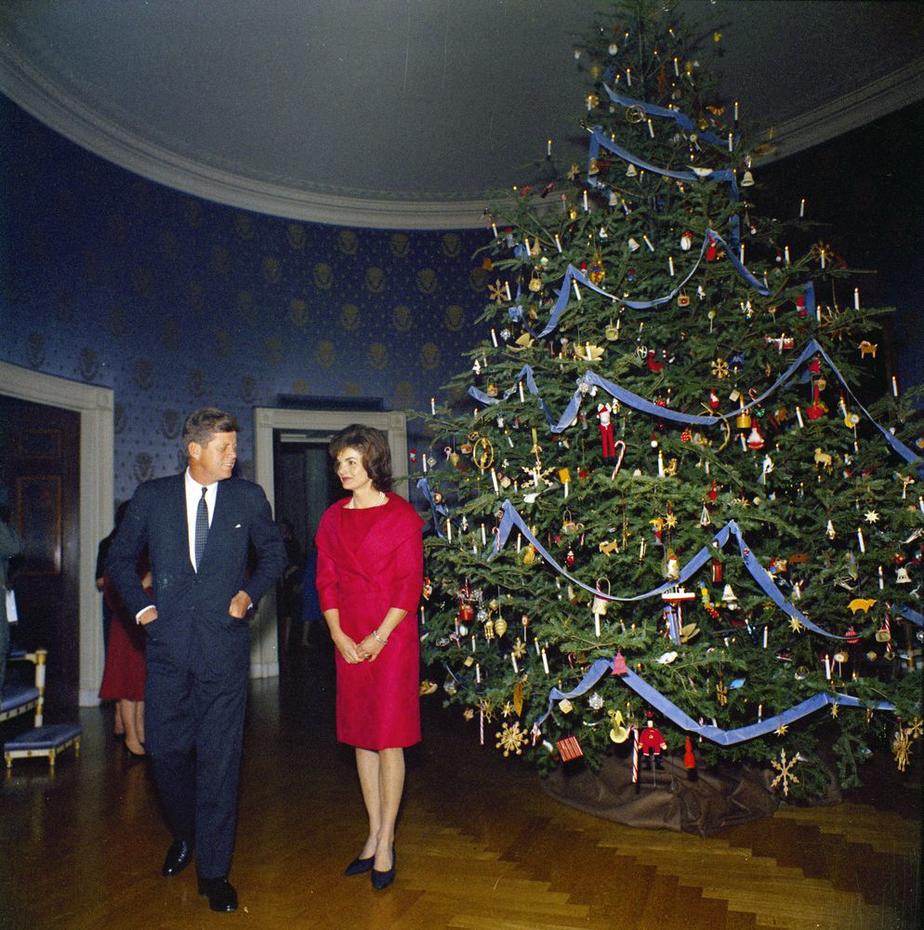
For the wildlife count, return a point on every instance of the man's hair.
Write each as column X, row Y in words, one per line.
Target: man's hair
column 203, row 423
column 372, row 445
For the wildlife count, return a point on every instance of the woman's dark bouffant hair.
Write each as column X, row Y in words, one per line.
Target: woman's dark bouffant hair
column 372, row 445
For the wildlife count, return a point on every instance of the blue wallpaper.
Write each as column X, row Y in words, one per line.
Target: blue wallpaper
column 176, row 302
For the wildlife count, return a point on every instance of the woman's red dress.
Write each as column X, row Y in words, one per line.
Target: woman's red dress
column 124, row 671
column 368, row 561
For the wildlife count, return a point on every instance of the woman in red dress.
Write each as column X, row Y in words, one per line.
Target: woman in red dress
column 124, row 670
column 369, row 579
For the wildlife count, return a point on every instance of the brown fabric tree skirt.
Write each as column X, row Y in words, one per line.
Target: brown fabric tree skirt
column 666, row 798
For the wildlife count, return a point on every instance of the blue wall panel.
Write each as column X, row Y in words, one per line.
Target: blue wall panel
column 176, row 302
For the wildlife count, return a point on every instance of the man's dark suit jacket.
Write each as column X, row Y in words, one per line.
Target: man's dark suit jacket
column 193, row 629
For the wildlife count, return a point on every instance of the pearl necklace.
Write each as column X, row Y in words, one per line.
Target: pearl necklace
column 382, row 499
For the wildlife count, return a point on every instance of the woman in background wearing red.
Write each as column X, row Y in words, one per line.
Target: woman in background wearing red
column 369, row 579
column 124, row 670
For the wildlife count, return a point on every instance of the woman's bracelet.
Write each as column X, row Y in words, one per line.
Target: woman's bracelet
column 375, row 635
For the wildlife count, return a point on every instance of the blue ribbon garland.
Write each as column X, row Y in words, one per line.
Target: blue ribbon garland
column 572, row 274
column 681, row 119
column 423, row 485
column 642, row 405
column 510, row 518
column 714, row 733
column 598, row 140
column 525, row 374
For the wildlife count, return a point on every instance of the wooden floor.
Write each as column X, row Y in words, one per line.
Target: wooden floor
column 479, row 844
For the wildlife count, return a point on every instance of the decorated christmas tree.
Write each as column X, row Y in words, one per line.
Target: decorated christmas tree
column 673, row 511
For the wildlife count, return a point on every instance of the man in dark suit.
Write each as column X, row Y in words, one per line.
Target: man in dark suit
column 198, row 527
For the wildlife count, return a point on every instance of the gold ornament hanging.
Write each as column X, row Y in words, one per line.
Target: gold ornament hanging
column 619, row 733
column 483, row 453
column 901, row 749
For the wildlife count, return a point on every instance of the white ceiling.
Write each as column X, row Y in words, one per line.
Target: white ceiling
column 406, row 113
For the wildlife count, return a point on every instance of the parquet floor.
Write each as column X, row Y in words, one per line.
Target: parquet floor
column 480, row 846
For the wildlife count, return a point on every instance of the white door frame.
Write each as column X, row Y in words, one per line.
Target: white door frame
column 264, row 656
column 95, row 405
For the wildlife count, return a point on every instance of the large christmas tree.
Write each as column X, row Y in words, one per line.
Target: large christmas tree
column 663, row 494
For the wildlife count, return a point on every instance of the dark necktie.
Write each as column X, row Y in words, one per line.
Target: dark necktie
column 202, row 528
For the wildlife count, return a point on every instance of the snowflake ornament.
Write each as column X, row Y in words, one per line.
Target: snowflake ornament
column 901, row 749
column 785, row 768
column 511, row 739
column 595, row 701
column 720, row 369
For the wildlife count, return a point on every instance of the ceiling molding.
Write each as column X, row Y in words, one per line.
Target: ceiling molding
column 63, row 112
column 876, row 99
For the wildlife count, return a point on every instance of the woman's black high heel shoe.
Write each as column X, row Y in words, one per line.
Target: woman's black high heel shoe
column 381, row 880
column 358, row 866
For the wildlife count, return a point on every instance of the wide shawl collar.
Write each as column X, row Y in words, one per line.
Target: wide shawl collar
column 367, row 553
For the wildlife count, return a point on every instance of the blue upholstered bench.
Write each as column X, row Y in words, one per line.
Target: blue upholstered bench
column 19, row 698
column 50, row 741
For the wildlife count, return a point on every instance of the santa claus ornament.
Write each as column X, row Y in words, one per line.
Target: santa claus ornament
column 607, row 437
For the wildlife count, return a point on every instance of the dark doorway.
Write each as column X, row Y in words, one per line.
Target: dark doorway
column 40, row 468
column 305, row 486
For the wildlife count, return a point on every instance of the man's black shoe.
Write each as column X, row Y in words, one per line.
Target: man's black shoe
column 179, row 855
column 220, row 892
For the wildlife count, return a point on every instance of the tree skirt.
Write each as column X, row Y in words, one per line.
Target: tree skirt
column 666, row 798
